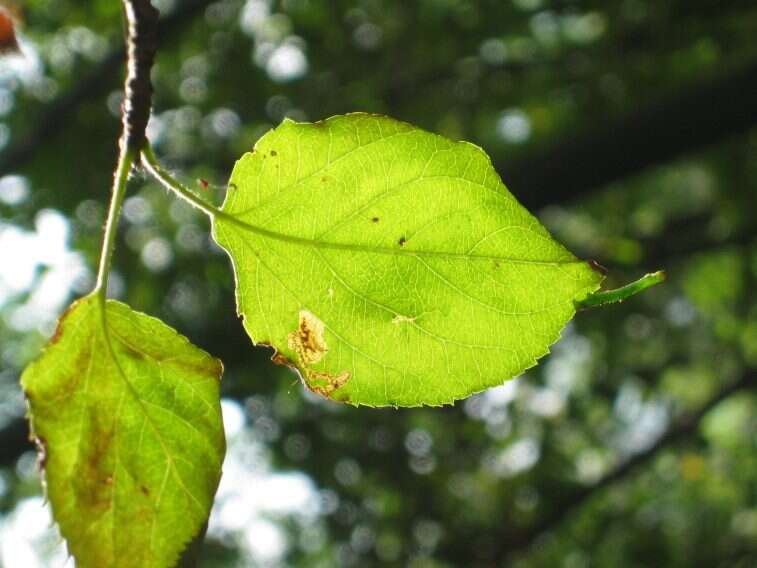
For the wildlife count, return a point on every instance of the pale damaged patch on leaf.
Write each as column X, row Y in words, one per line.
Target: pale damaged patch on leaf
column 308, row 341
column 399, row 318
column 309, row 344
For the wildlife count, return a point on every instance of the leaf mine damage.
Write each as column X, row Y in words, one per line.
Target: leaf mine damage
column 309, row 344
column 308, row 341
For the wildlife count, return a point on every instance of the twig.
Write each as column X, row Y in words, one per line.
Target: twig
column 141, row 45
column 698, row 114
column 56, row 115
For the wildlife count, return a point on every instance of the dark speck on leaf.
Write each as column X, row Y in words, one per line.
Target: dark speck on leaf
column 274, row 153
column 402, row 241
column 133, row 353
column 375, row 219
column 144, row 490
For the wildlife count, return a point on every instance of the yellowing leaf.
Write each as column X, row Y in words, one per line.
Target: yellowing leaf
column 127, row 413
column 390, row 265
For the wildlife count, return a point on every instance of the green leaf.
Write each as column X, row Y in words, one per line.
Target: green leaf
column 127, row 415
column 390, row 265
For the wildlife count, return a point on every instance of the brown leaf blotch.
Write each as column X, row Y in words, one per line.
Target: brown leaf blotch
column 310, row 346
column 308, row 341
column 59, row 328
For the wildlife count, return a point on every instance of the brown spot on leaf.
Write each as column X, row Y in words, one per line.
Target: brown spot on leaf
column 132, row 352
column 96, row 465
column 210, row 366
column 324, row 384
column 375, row 220
column 280, row 359
column 204, row 184
column 343, row 397
column 73, row 377
column 274, row 153
column 145, row 491
column 59, row 328
column 402, row 241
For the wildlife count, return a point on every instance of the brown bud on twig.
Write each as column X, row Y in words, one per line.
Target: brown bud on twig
column 8, row 42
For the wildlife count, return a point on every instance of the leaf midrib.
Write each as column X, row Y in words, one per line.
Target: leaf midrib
column 170, row 465
column 314, row 243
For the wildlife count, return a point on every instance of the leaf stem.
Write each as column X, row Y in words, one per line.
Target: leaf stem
column 151, row 164
column 619, row 294
column 141, row 44
column 120, row 177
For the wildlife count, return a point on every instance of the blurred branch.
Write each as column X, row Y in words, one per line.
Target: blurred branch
column 141, row 46
column 14, row 441
column 57, row 114
column 682, row 429
column 662, row 251
column 678, row 242
column 698, row 115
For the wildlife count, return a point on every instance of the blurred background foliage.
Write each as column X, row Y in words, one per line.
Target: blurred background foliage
column 629, row 126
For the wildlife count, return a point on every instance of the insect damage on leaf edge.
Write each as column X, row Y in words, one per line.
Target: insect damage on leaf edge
column 309, row 343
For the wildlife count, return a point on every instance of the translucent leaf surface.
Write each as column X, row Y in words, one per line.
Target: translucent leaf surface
column 127, row 413
column 390, row 265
